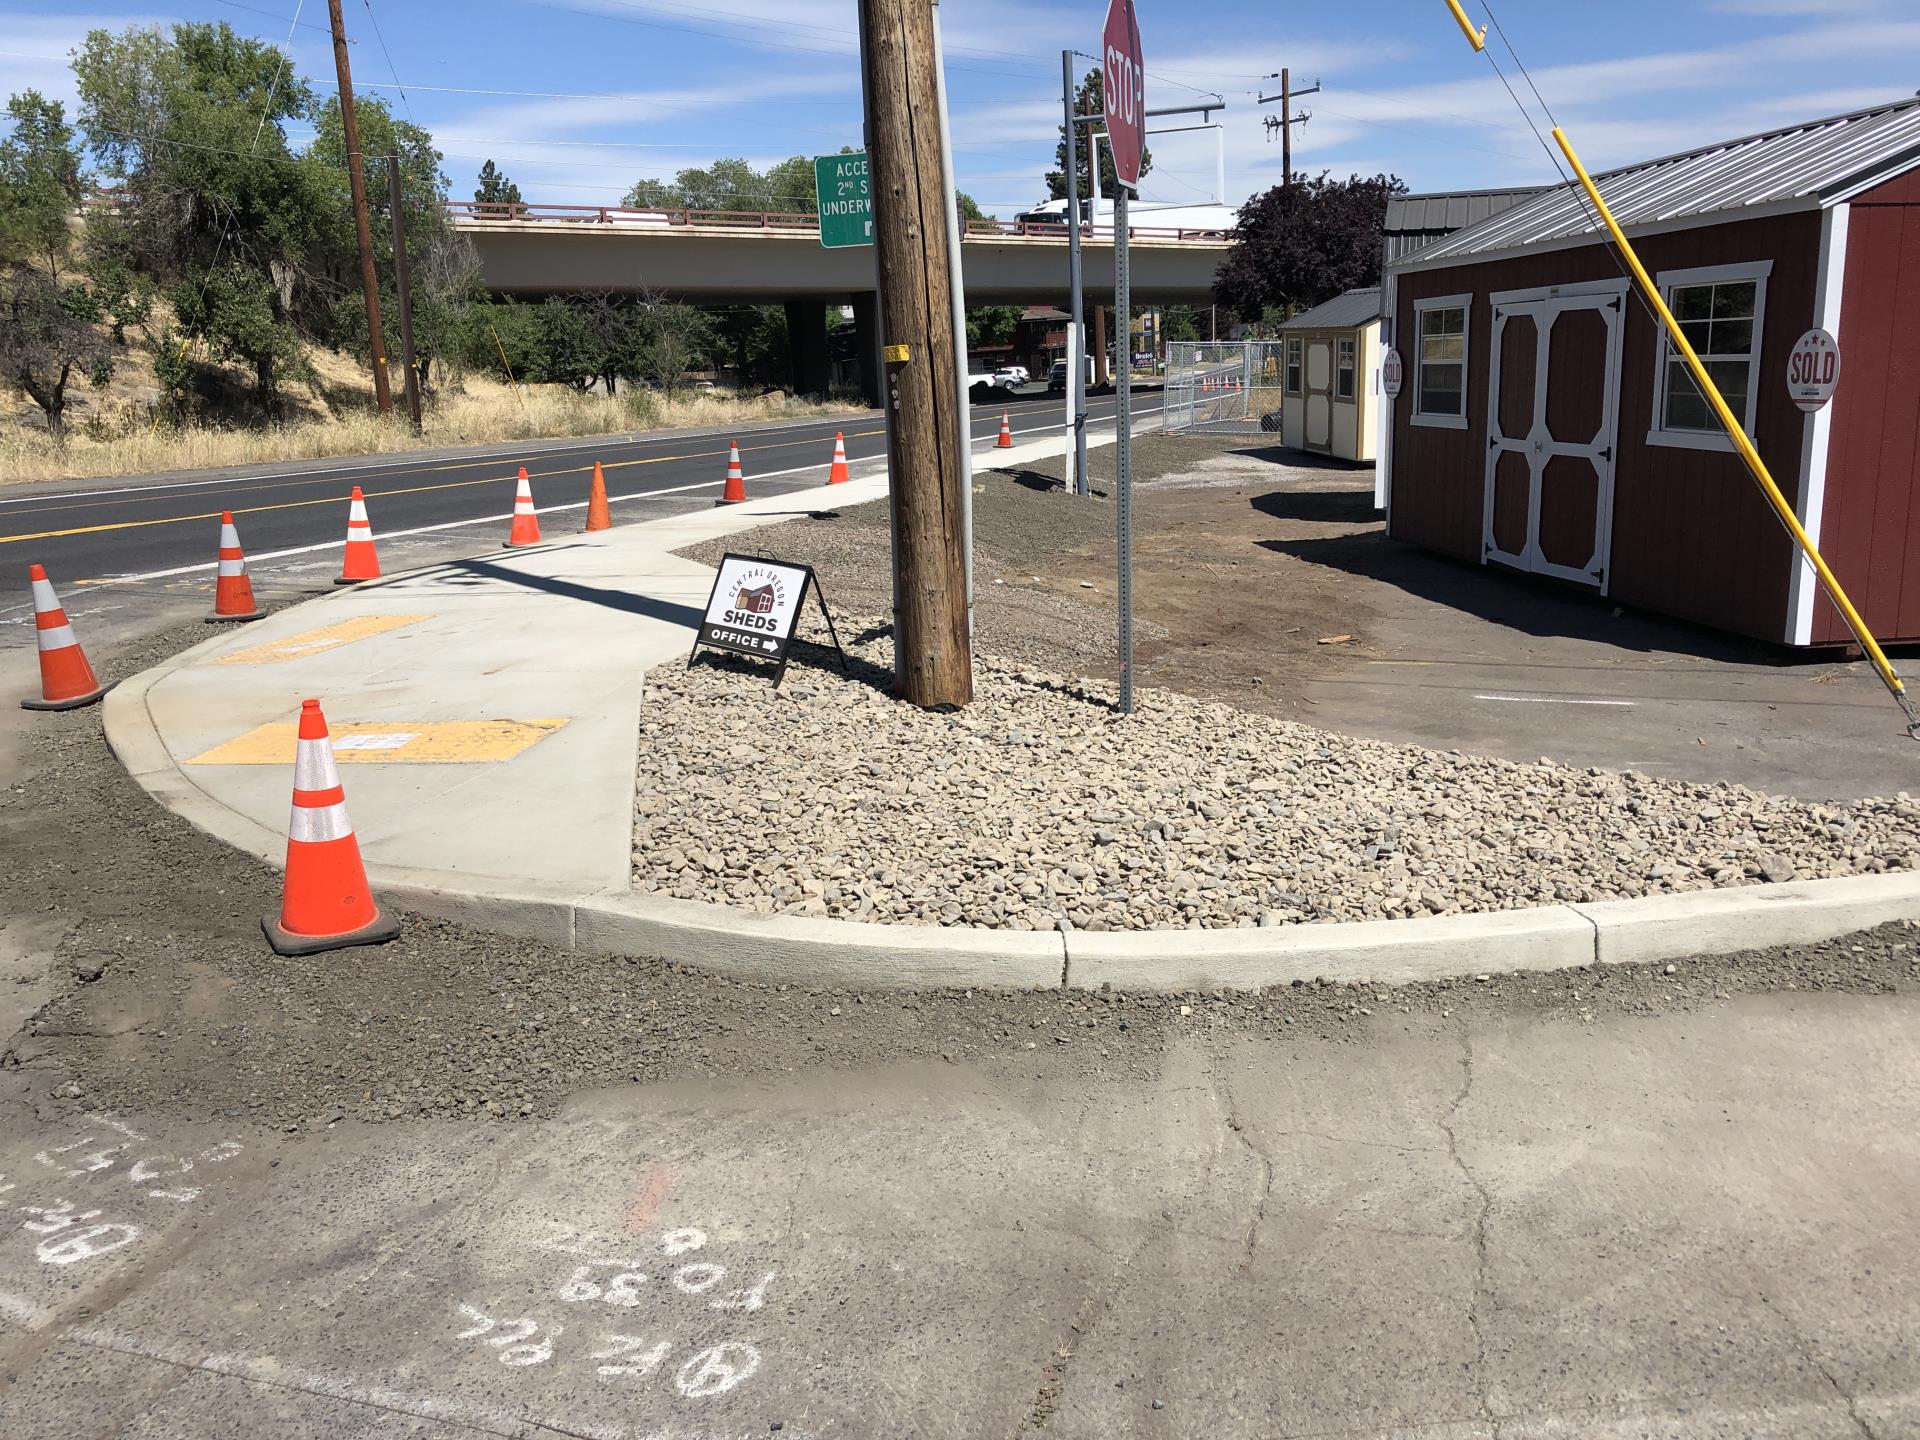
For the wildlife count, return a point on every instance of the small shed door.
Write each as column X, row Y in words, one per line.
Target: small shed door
column 1553, row 414
column 1320, row 394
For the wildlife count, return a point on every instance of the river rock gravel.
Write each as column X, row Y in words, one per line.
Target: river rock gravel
column 1039, row 807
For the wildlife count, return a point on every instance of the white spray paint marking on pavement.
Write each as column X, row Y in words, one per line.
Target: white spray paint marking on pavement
column 1552, row 700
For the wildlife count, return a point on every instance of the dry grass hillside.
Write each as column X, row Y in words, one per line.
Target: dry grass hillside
column 116, row 429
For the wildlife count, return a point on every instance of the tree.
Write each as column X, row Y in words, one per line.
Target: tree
column 1091, row 99
column 992, row 324
column 1301, row 244
column 39, row 181
column 969, row 209
column 445, row 270
column 47, row 335
column 570, row 352
column 1179, row 322
column 506, row 339
column 674, row 338
column 496, row 189
column 217, row 206
column 731, row 185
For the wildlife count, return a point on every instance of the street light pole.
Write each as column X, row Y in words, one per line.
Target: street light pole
column 403, row 290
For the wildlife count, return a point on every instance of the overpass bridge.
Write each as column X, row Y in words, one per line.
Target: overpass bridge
column 720, row 257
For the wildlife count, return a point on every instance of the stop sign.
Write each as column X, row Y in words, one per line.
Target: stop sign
column 1126, row 90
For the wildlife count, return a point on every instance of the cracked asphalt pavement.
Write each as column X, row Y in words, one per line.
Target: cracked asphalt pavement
column 1619, row 1203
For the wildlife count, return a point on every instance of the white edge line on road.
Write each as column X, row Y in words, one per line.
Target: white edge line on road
column 379, row 535
column 349, row 462
column 1553, row 700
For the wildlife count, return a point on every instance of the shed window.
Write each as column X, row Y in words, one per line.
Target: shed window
column 1440, row 386
column 1293, row 367
column 1343, row 370
column 1720, row 310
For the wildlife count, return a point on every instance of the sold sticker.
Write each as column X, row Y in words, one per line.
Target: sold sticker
column 1813, row 369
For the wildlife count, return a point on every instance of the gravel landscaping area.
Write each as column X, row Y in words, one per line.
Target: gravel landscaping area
column 1038, row 806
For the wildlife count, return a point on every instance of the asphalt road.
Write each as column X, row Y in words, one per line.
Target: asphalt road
column 117, row 531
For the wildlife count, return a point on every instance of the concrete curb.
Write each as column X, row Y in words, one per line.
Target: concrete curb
column 789, row 949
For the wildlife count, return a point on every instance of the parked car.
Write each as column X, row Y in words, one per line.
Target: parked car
column 1011, row 375
column 1057, row 377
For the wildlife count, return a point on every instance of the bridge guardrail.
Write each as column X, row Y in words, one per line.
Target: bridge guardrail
column 786, row 222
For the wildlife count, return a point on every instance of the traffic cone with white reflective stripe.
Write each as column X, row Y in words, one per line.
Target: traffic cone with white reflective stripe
column 838, row 474
column 736, row 491
column 361, row 562
column 526, row 524
column 598, row 517
column 67, row 681
column 1005, row 442
column 232, row 590
column 325, row 904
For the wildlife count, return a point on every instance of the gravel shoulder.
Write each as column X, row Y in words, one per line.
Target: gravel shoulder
column 1038, row 808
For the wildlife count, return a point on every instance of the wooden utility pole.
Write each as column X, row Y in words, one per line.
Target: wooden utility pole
column 403, row 289
column 369, row 281
column 933, row 658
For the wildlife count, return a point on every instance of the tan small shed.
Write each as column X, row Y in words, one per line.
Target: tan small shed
column 1331, row 367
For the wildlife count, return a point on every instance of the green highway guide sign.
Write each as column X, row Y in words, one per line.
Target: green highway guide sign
column 845, row 201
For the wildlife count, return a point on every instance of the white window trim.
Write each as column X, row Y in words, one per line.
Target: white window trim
column 1758, row 271
column 1444, row 302
column 1353, row 369
column 1286, row 366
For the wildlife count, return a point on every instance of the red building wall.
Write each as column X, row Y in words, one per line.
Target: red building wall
column 1692, row 536
column 1870, row 531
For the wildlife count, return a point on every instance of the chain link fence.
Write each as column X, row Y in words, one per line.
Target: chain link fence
column 1224, row 387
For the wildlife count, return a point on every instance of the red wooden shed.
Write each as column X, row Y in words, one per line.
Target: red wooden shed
column 1545, row 425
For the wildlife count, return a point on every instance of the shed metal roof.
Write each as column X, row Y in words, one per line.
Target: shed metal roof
column 1343, row 312
column 1450, row 210
column 1811, row 165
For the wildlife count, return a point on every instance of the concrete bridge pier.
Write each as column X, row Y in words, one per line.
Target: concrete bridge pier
column 866, row 331
column 807, row 358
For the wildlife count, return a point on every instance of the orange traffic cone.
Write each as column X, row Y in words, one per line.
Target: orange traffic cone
column 526, row 524
column 361, row 561
column 232, row 590
column 736, row 491
column 326, row 904
column 838, row 474
column 598, row 517
column 1005, row 442
column 67, row 681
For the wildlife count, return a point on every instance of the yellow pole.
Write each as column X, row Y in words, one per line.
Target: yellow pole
column 1476, row 38
column 1745, row 446
column 511, row 382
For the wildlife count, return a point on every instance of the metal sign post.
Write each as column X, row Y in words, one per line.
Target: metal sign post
column 1076, row 328
column 1126, row 90
column 1123, row 441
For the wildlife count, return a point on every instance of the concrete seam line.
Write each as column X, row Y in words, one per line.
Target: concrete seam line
column 1066, row 959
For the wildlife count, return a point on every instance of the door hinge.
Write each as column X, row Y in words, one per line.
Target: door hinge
column 1607, row 454
column 1614, row 303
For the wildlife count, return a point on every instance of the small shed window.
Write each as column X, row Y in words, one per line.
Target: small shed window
column 1440, row 386
column 1343, row 370
column 1720, row 310
column 1293, row 366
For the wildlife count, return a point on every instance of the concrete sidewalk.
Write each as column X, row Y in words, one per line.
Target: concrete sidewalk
column 486, row 710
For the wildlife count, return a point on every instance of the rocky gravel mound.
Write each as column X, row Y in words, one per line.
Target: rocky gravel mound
column 1038, row 807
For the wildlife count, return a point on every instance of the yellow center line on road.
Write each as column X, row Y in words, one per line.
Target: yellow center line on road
column 198, row 490
column 403, row 490
column 418, row 489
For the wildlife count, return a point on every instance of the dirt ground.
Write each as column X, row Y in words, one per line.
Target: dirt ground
column 164, row 998
column 1263, row 579
column 1211, row 620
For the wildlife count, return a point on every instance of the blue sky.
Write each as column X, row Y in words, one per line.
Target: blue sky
column 577, row 98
